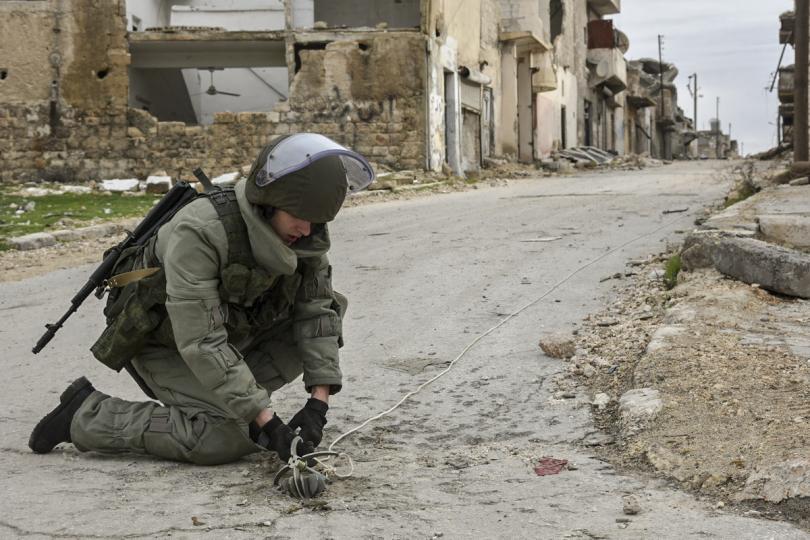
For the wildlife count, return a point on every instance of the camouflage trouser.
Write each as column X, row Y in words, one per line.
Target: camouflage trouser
column 192, row 425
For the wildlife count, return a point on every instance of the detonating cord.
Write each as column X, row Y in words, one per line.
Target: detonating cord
column 475, row 341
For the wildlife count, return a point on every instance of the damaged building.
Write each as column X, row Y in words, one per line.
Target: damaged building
column 111, row 88
column 661, row 127
column 786, row 74
column 138, row 86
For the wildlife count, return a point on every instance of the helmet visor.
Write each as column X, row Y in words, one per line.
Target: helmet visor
column 297, row 151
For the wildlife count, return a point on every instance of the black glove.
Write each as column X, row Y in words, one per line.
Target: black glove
column 276, row 436
column 311, row 420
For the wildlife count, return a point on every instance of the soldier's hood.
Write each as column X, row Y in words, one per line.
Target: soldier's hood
column 268, row 249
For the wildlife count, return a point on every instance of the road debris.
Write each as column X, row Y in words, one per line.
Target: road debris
column 630, row 505
column 558, row 346
column 548, row 466
column 544, row 239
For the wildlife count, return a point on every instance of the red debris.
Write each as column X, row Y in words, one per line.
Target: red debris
column 550, row 465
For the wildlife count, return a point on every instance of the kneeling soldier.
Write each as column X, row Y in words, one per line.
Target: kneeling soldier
column 236, row 301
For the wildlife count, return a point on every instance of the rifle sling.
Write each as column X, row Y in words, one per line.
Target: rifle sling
column 122, row 280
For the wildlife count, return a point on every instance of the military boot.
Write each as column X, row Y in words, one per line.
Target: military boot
column 55, row 427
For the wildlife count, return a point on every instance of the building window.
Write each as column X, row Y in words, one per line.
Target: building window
column 556, row 15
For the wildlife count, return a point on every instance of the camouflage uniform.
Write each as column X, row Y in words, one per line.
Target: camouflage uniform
column 219, row 353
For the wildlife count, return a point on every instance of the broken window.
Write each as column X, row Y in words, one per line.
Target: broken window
column 368, row 13
column 195, row 95
column 556, row 15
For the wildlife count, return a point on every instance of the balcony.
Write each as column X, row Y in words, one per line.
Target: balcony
column 786, row 84
column 544, row 78
column 787, row 26
column 606, row 7
column 608, row 69
column 638, row 87
column 786, row 110
column 526, row 33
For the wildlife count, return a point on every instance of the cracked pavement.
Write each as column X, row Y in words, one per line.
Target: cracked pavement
column 424, row 277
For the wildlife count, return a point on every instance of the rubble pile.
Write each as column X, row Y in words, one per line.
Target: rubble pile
column 707, row 384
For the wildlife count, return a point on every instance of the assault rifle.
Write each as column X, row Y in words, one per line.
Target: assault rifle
column 178, row 196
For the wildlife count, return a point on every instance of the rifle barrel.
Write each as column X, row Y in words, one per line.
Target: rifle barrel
column 177, row 197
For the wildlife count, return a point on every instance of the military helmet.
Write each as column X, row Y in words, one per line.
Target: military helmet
column 306, row 175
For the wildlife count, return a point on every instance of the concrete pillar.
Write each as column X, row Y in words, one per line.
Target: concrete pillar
column 452, row 119
column 507, row 129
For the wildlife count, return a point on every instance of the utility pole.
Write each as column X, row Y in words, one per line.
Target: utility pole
column 800, row 91
column 694, row 76
column 717, row 135
column 663, row 100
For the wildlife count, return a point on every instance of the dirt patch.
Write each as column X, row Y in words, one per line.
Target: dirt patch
column 728, row 361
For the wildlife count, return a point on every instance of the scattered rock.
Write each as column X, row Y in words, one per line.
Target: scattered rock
column 32, row 241
column 120, row 185
column 637, row 408
column 803, row 181
column 227, row 179
column 158, row 184
column 714, row 480
column 666, row 461
column 607, row 322
column 600, row 401
column 29, row 206
column 67, row 235
column 630, row 505
column 778, row 482
column 558, row 346
column 81, row 190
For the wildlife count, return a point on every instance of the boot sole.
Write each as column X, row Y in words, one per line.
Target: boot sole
column 65, row 400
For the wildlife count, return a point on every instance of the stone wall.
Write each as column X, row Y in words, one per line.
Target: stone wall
column 63, row 112
column 366, row 91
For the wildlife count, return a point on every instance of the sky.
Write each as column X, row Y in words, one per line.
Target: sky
column 732, row 45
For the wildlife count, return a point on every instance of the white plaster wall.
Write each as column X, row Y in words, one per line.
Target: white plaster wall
column 618, row 130
column 152, row 13
column 548, row 136
column 253, row 84
column 231, row 15
column 443, row 58
column 506, row 142
column 303, row 13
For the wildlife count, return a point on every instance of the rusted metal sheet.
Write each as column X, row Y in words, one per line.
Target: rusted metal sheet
column 601, row 35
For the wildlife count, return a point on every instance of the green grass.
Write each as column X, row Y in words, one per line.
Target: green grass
column 742, row 193
column 671, row 271
column 78, row 208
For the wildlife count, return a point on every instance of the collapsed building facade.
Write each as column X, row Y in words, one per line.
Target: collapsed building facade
column 107, row 88
column 787, row 25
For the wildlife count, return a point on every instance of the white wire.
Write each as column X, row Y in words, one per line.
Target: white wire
column 506, row 319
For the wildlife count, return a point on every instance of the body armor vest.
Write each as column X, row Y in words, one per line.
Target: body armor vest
column 253, row 301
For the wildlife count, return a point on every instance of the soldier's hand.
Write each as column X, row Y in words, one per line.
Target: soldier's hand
column 311, row 420
column 276, row 436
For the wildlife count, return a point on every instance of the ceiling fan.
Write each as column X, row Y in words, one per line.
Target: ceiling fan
column 212, row 90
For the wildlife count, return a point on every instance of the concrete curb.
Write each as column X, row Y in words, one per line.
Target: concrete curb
column 776, row 268
column 39, row 240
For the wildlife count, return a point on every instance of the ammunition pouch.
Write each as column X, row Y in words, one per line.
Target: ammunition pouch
column 133, row 312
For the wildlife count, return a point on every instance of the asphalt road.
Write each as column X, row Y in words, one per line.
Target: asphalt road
column 424, row 278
